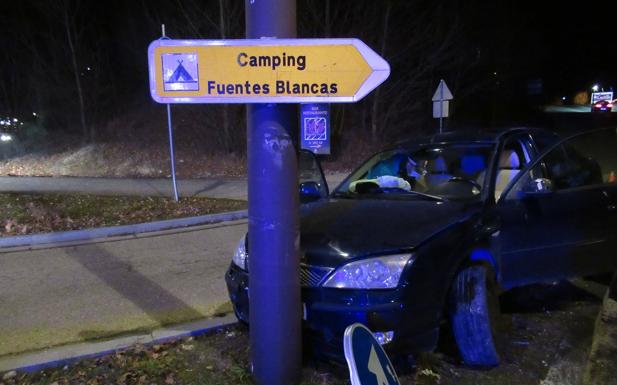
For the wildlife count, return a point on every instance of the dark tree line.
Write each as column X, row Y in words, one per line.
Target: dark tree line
column 81, row 63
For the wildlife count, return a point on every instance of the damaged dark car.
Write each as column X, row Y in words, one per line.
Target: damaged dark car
column 436, row 229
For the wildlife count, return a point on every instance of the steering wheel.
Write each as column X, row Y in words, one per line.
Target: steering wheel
column 466, row 180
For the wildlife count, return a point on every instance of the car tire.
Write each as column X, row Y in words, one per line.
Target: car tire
column 473, row 310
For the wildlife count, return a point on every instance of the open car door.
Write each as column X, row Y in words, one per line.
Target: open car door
column 312, row 183
column 559, row 216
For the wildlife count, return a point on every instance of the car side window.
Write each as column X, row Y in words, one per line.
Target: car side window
column 584, row 160
column 514, row 156
column 567, row 167
column 544, row 140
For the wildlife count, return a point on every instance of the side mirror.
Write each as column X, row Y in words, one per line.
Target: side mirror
column 309, row 192
column 539, row 186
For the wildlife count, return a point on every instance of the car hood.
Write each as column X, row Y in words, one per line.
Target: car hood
column 336, row 230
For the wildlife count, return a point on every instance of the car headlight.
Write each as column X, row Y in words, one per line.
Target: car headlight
column 373, row 273
column 239, row 258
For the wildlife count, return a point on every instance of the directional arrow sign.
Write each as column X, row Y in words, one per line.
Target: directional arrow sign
column 442, row 92
column 367, row 361
column 263, row 70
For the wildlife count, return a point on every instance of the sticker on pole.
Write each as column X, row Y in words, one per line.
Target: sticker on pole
column 315, row 127
column 367, row 361
column 180, row 71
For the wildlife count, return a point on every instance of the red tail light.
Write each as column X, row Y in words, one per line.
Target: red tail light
column 610, row 105
column 598, row 105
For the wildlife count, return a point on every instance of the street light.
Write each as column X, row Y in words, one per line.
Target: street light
column 595, row 88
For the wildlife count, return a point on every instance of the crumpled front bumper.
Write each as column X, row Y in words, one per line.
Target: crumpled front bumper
column 328, row 312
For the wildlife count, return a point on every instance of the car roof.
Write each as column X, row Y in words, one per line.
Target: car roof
column 466, row 136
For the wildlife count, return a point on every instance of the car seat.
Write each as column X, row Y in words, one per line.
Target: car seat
column 509, row 167
column 437, row 171
column 390, row 166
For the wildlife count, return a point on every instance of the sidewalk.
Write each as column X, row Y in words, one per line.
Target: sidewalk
column 69, row 354
column 69, row 293
column 602, row 363
column 231, row 188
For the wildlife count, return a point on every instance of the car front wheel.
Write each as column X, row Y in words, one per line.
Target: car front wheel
column 473, row 310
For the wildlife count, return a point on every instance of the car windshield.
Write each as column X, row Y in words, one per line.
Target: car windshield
column 434, row 171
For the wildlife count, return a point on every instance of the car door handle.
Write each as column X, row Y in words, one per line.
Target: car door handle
column 612, row 207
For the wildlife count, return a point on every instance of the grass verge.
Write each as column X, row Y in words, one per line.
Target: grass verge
column 37, row 213
column 542, row 346
column 220, row 357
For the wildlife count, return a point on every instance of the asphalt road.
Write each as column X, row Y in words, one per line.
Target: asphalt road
column 569, row 109
column 232, row 188
column 57, row 295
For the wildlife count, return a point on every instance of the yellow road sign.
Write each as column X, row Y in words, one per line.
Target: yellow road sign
column 263, row 71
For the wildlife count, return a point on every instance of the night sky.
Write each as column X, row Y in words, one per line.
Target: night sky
column 498, row 57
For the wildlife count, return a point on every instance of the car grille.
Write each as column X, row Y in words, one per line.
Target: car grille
column 311, row 276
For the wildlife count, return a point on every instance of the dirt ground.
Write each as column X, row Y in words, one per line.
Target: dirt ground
column 151, row 160
column 547, row 336
column 546, row 340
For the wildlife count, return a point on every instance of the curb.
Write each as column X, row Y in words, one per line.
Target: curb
column 112, row 231
column 65, row 355
column 601, row 367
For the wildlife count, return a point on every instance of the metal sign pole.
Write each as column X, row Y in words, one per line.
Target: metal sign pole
column 171, row 137
column 274, row 263
column 441, row 108
column 171, row 153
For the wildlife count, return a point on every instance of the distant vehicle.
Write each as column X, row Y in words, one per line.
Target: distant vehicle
column 599, row 96
column 7, row 145
column 5, row 137
column 434, row 230
column 602, row 106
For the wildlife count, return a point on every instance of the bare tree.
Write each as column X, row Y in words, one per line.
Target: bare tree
column 226, row 137
column 70, row 28
column 375, row 118
column 195, row 19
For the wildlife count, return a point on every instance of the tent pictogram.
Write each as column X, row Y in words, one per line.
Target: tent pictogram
column 180, row 72
column 180, row 75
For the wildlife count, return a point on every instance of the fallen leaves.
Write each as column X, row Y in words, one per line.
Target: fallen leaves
column 429, row 373
column 9, row 225
column 39, row 213
column 215, row 358
column 169, row 380
column 9, row 375
column 12, row 227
